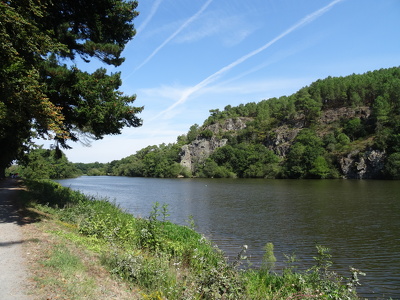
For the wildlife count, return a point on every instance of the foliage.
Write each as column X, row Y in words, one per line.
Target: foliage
column 192, row 134
column 152, row 161
column 318, row 282
column 269, row 258
column 46, row 164
column 41, row 96
column 93, row 169
column 354, row 128
column 243, row 160
column 392, row 166
column 306, row 158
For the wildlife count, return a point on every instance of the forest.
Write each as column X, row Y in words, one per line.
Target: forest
column 323, row 124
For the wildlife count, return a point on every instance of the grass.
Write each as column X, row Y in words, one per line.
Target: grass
column 64, row 269
column 155, row 259
column 63, row 261
column 71, row 273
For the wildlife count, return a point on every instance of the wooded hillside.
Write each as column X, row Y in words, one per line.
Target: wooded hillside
column 338, row 127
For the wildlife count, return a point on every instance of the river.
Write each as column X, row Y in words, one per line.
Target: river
column 358, row 220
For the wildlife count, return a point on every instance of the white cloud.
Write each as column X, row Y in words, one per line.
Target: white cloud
column 231, row 29
column 237, row 36
column 258, row 86
column 171, row 92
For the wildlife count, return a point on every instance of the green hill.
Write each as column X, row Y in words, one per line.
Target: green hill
column 338, row 127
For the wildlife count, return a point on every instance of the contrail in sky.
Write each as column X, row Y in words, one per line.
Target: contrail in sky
column 210, row 79
column 147, row 20
column 150, row 15
column 183, row 26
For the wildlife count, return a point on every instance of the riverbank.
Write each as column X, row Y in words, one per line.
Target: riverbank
column 154, row 258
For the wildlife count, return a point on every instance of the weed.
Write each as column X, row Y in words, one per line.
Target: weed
column 353, row 281
column 269, row 258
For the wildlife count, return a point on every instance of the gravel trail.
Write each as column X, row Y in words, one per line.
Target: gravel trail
column 13, row 272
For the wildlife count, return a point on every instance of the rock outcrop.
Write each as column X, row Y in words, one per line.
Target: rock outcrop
column 280, row 140
column 365, row 165
column 233, row 124
column 332, row 115
column 201, row 148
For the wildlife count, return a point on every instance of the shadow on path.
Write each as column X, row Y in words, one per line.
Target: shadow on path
column 11, row 192
column 13, row 275
column 19, row 242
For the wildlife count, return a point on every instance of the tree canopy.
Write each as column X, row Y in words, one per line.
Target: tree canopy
column 42, row 91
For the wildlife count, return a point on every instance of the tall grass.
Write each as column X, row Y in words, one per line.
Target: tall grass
column 168, row 261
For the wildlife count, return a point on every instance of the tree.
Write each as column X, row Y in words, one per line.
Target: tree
column 354, row 128
column 320, row 168
column 193, row 133
column 39, row 96
column 381, row 110
column 311, row 108
column 303, row 156
column 43, row 164
column 392, row 167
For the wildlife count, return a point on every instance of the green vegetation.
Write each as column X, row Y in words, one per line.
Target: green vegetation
column 152, row 161
column 66, row 267
column 309, row 134
column 368, row 119
column 41, row 163
column 304, row 135
column 43, row 93
column 165, row 261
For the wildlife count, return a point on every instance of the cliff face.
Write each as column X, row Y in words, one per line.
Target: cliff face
column 198, row 151
column 365, row 163
column 201, row 148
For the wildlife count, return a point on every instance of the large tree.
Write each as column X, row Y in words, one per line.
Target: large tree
column 42, row 92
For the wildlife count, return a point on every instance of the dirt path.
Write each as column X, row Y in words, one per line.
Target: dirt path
column 13, row 272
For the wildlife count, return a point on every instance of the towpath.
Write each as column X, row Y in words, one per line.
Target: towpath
column 13, row 271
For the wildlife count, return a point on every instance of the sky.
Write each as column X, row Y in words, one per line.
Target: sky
column 191, row 56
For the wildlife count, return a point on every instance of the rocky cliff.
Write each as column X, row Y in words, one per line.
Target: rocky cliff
column 362, row 165
column 365, row 163
column 201, row 148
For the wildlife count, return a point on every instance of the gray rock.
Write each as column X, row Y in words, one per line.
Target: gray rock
column 366, row 165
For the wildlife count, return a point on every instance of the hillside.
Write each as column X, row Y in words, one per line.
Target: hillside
column 338, row 127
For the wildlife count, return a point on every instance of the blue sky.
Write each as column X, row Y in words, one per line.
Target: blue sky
column 190, row 56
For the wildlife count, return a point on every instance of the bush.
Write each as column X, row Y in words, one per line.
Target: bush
column 392, row 166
